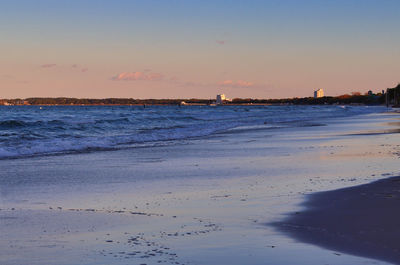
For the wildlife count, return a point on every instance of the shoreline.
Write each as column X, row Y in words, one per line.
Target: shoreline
column 362, row 220
column 205, row 104
column 202, row 202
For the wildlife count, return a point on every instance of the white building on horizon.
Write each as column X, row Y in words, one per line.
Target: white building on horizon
column 220, row 99
column 319, row 93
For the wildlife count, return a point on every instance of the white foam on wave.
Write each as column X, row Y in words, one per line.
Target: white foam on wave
column 70, row 144
column 147, row 128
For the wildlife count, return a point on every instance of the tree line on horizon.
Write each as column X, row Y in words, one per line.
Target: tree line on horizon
column 353, row 98
column 393, row 96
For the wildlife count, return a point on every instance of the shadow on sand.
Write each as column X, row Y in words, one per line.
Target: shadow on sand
column 362, row 220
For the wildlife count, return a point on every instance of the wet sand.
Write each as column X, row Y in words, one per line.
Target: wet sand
column 362, row 220
column 204, row 201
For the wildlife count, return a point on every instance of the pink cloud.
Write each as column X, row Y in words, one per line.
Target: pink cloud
column 84, row 70
column 134, row 76
column 48, row 65
column 242, row 83
column 226, row 83
column 221, row 42
column 239, row 83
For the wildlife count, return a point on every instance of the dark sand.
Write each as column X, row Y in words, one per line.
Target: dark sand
column 362, row 220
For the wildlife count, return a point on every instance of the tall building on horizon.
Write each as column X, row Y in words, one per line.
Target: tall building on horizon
column 319, row 93
column 220, row 99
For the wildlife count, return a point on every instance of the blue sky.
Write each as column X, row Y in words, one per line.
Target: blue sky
column 197, row 48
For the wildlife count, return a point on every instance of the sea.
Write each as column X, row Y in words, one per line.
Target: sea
column 51, row 130
column 185, row 185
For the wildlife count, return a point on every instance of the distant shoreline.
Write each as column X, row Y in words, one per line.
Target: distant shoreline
column 151, row 104
column 356, row 99
column 188, row 105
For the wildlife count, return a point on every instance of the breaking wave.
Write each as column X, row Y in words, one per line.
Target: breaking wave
column 31, row 131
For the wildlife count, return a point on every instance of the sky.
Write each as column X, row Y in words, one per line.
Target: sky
column 197, row 49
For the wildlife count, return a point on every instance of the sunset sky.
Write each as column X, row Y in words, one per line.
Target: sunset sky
column 183, row 49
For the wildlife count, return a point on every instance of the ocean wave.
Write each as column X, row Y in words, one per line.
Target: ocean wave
column 27, row 132
column 7, row 124
column 10, row 124
column 68, row 144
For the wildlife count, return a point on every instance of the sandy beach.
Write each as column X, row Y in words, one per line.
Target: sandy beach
column 211, row 200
